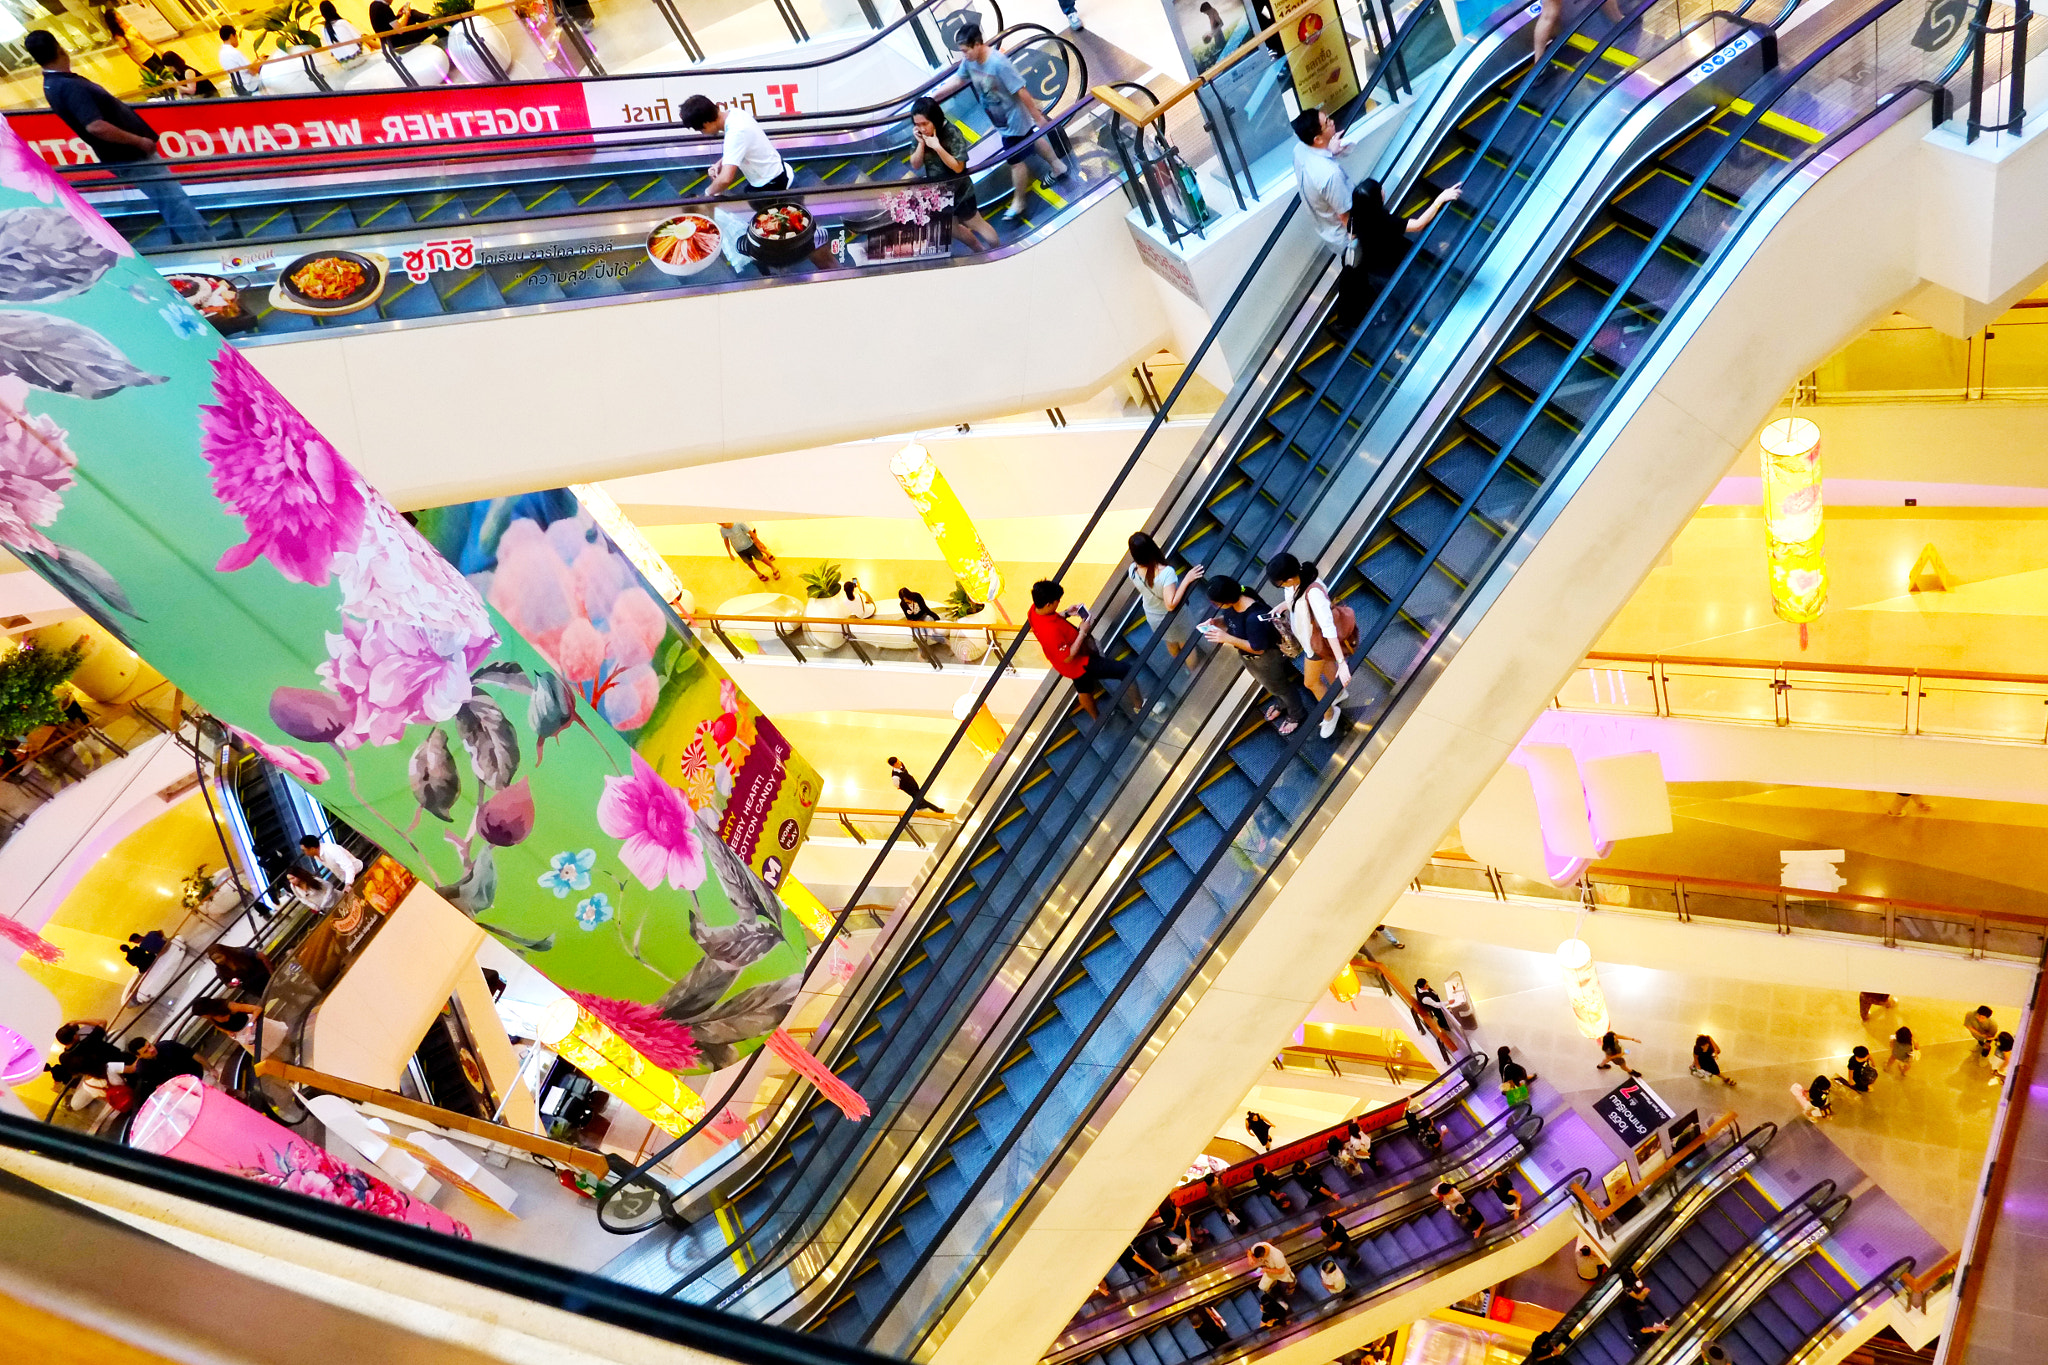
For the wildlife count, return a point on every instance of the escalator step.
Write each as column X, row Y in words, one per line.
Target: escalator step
column 1387, row 565
column 1425, row 515
column 1615, row 253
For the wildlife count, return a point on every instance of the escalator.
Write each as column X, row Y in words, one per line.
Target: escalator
column 1394, row 1218
column 1044, row 844
column 268, row 814
column 533, row 220
column 1802, row 1310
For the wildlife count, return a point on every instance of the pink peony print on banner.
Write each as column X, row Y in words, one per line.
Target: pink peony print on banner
column 36, row 466
column 188, row 1120
column 298, row 499
column 662, row 841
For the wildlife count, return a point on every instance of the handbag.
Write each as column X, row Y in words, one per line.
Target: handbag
column 1278, row 620
column 1346, row 622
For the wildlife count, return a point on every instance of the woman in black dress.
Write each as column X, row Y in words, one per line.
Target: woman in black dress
column 1383, row 238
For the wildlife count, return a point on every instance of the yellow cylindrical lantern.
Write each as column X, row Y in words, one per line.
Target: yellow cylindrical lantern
column 1792, row 519
column 1582, row 987
column 806, row 906
column 1345, row 987
column 984, row 732
column 948, row 522
column 582, row 1040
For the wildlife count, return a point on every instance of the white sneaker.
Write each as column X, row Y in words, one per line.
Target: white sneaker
column 1074, row 23
column 1330, row 721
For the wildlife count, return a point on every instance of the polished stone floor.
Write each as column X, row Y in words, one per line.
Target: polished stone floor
column 1921, row 1139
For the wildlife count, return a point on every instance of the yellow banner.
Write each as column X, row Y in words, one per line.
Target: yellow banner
column 1318, row 54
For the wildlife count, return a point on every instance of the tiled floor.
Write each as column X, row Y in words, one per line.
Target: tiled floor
column 1921, row 1139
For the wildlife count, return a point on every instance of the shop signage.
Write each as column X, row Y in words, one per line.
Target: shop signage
column 451, row 253
column 1164, row 263
column 1318, row 53
column 1633, row 1111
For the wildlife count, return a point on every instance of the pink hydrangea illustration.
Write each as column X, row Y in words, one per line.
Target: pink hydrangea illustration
column 392, row 574
column 305, row 767
column 299, row 500
column 302, row 1168
column 629, row 699
column 22, row 171
column 35, row 468
column 653, row 818
column 392, row 676
column 662, row 1041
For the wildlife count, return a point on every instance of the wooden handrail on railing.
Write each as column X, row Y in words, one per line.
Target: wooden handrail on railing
column 1123, row 105
column 1769, row 889
column 1602, row 1212
column 1918, row 1286
column 875, row 813
column 1453, row 1045
column 1807, row 666
column 800, row 620
column 559, row 1152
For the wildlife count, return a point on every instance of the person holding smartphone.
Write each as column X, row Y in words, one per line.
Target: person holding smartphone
column 1068, row 649
column 1241, row 622
column 940, row 153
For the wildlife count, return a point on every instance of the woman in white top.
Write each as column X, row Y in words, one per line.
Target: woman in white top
column 859, row 605
column 335, row 29
column 1307, row 599
column 1161, row 590
column 246, row 1024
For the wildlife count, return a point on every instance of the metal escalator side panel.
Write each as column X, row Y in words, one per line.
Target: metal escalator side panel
column 1772, row 1252
column 1866, row 1301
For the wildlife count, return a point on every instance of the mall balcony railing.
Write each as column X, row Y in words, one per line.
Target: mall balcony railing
column 867, row 642
column 1886, row 920
column 2009, row 708
column 1166, row 141
column 58, row 756
column 864, row 823
column 1396, row 1068
column 1994, row 99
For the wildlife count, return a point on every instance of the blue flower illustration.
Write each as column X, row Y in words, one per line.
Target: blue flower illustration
column 183, row 320
column 595, row 911
column 569, row 872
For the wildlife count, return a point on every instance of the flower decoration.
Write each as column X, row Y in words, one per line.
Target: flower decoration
column 35, row 468
column 309, row 715
column 661, row 1040
column 183, row 321
column 305, row 767
column 661, row 842
column 22, row 171
column 296, row 496
column 392, row 574
column 569, row 872
column 594, row 911
column 918, row 204
column 391, row 676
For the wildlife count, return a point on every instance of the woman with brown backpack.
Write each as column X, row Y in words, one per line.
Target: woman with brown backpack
column 1324, row 632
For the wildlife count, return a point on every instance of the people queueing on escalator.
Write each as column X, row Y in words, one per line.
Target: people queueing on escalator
column 1269, row 1185
column 1134, row 1263
column 243, row 967
column 1336, row 1237
column 1358, row 1147
column 246, row 1024
column 1326, row 632
column 743, row 543
column 1315, row 1184
column 1218, row 1200
column 744, row 154
column 1637, row 1315
column 1334, row 1282
column 1510, row 1197
column 1161, row 591
column 1210, row 1327
column 317, row 892
column 1274, row 1308
column 1243, row 623
column 87, row 1054
column 1260, row 1127
column 125, row 144
column 940, row 153
column 1706, row 1060
column 1547, row 1346
column 1272, row 1266
column 1007, row 100
column 1861, row 1072
column 1070, row 651
column 1355, row 222
column 335, row 860
column 1177, row 1229
column 1448, row 1195
column 1468, row 1217
column 156, row 1062
column 1515, row 1078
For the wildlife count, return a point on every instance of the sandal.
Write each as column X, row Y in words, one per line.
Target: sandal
column 1273, row 713
column 1288, row 727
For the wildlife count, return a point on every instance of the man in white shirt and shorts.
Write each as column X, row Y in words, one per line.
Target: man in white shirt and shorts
column 746, row 154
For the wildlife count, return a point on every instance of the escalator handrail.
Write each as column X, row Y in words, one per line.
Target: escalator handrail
column 1416, row 23
column 717, row 1335
column 1251, row 805
column 567, row 141
column 1425, row 1267
column 1704, row 1184
column 1888, row 1284
column 1760, row 1258
column 1399, row 336
column 689, row 72
column 1395, row 1183
column 1225, row 1283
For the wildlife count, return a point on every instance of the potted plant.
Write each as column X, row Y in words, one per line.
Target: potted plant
column 29, row 679
column 822, row 581
column 960, row 604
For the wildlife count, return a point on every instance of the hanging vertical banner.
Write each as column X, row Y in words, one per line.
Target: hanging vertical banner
column 1318, row 54
column 156, row 479
column 546, row 562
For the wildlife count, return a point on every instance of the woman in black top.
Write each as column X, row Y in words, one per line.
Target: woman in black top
column 383, row 19
column 940, row 153
column 911, row 602
column 1383, row 240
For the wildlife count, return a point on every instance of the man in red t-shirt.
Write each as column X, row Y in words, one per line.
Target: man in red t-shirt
column 1069, row 650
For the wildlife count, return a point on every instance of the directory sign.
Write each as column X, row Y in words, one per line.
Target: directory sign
column 1632, row 1110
